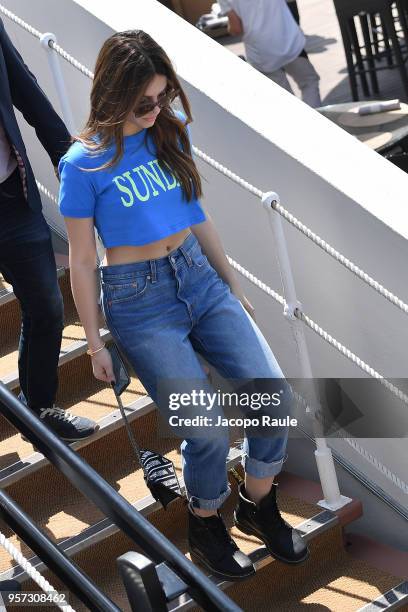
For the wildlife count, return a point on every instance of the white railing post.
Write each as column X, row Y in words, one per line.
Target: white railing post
column 59, row 82
column 324, row 458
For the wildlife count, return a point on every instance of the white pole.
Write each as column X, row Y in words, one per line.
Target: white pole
column 333, row 500
column 59, row 83
column 58, row 80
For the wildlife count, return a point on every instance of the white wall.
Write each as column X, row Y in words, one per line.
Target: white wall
column 346, row 193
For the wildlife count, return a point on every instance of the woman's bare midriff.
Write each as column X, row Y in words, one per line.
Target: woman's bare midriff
column 153, row 250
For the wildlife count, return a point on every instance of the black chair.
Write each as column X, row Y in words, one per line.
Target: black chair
column 373, row 31
column 399, row 159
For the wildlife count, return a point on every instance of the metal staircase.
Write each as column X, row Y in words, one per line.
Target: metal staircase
column 331, row 578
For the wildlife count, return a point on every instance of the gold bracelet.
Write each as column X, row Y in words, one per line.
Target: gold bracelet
column 92, row 353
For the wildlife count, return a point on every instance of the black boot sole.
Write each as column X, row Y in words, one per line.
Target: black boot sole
column 249, row 530
column 70, row 440
column 198, row 558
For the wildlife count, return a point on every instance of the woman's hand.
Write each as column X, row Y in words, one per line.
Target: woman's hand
column 248, row 306
column 102, row 366
column 237, row 291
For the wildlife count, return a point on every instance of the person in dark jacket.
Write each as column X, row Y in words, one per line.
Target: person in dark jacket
column 27, row 259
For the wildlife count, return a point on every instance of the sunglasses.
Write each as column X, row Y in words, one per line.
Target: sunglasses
column 163, row 100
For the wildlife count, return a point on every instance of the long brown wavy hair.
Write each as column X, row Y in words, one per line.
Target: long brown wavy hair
column 125, row 65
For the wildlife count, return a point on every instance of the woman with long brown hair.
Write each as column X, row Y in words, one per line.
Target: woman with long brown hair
column 167, row 289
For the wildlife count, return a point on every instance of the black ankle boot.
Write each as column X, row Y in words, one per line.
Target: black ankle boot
column 265, row 522
column 212, row 546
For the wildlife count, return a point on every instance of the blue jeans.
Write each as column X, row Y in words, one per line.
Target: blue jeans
column 27, row 262
column 161, row 313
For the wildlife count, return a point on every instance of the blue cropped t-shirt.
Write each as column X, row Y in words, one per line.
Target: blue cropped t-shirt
column 135, row 202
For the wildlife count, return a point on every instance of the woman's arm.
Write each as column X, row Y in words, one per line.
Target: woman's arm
column 235, row 27
column 234, row 21
column 82, row 263
column 210, row 242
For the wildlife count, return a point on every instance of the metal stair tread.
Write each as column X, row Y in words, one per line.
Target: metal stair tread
column 312, row 519
column 69, row 513
column 339, row 586
column 87, row 541
column 314, row 523
column 327, row 578
column 101, row 530
column 84, row 540
column 103, row 404
column 391, row 600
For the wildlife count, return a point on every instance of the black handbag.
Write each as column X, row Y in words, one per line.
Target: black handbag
column 158, row 471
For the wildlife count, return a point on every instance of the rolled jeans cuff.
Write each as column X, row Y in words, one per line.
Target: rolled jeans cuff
column 209, row 504
column 261, row 469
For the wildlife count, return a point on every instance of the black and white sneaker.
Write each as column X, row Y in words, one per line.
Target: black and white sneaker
column 67, row 426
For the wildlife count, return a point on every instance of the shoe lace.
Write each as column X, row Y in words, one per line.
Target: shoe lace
column 221, row 533
column 58, row 413
column 276, row 517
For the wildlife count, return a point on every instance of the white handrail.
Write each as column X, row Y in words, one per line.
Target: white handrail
column 48, row 41
column 333, row 500
column 325, row 246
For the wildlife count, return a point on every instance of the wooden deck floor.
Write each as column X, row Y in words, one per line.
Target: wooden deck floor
column 325, row 48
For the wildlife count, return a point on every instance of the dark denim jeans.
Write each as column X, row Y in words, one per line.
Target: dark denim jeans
column 27, row 262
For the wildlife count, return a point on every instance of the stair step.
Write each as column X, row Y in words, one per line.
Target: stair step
column 96, row 402
column 6, row 290
column 102, row 529
column 55, row 504
column 73, row 341
column 173, row 524
column 329, row 580
column 310, row 529
column 332, row 579
column 393, row 599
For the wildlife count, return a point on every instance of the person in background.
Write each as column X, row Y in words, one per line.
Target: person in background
column 27, row 259
column 274, row 43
